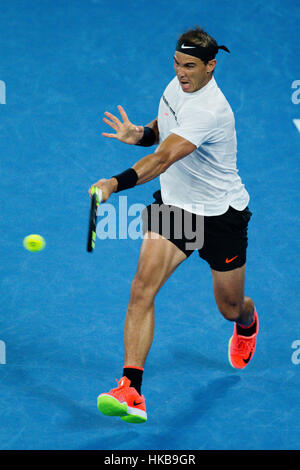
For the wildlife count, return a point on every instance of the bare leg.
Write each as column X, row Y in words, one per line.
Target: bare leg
column 158, row 260
column 230, row 298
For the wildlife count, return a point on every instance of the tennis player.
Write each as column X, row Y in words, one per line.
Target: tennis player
column 196, row 162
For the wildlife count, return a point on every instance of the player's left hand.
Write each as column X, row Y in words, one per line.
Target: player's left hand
column 125, row 131
column 107, row 187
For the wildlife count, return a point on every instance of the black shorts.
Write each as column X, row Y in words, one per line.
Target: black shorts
column 221, row 240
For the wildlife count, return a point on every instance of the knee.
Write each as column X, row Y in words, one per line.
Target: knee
column 141, row 291
column 231, row 310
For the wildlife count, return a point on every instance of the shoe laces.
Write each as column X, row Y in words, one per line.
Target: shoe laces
column 121, row 384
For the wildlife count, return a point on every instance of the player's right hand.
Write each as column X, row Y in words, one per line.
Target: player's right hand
column 107, row 186
column 125, row 131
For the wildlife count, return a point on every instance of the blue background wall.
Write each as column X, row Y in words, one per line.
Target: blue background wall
column 64, row 63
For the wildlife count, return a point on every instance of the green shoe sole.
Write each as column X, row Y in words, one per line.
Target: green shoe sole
column 134, row 419
column 110, row 406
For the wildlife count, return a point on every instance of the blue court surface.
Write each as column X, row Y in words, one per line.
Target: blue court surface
column 62, row 64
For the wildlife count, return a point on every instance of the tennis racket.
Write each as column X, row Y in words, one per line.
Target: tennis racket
column 96, row 197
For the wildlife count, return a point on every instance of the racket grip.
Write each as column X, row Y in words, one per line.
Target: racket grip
column 98, row 193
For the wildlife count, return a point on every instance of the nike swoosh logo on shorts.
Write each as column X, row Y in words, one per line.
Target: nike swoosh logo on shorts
column 187, row 47
column 229, row 260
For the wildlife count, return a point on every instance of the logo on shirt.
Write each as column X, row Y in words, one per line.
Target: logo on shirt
column 168, row 104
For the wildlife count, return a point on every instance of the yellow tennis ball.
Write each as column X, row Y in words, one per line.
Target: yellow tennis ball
column 34, row 242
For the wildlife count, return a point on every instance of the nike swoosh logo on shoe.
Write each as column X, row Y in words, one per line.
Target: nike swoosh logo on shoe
column 248, row 358
column 136, row 404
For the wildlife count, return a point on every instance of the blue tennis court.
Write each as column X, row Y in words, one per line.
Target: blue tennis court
column 62, row 64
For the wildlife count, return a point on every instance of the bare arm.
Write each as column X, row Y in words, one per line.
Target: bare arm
column 170, row 150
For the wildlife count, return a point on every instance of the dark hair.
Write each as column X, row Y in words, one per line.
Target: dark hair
column 199, row 37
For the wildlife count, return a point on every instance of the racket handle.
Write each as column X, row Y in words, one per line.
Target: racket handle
column 98, row 193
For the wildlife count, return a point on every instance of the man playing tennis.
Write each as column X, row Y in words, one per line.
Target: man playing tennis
column 196, row 162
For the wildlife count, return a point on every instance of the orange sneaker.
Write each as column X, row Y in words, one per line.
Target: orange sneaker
column 123, row 401
column 241, row 348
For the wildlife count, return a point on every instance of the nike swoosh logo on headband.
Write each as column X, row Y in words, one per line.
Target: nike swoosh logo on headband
column 187, row 47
